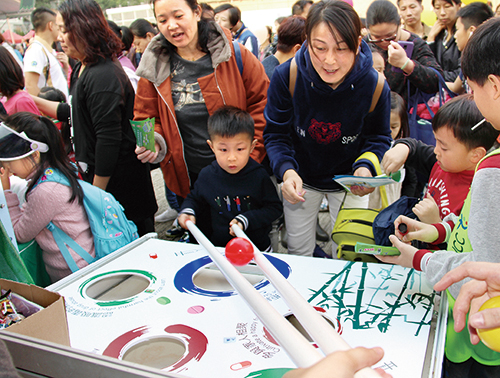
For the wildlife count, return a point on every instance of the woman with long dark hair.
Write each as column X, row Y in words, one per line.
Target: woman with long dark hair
column 102, row 102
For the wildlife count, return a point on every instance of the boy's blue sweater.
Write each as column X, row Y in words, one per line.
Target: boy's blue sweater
column 249, row 196
column 322, row 131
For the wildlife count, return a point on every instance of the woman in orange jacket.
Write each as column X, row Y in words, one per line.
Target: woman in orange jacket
column 187, row 72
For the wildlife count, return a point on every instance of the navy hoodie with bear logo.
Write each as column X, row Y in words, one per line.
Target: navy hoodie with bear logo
column 321, row 131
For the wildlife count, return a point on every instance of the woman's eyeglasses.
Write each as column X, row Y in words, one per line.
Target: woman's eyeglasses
column 388, row 39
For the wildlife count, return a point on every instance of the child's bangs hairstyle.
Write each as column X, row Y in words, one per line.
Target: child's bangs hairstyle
column 341, row 19
column 43, row 130
column 229, row 121
column 460, row 115
column 481, row 55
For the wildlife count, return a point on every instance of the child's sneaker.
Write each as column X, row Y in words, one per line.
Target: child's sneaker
column 166, row 216
column 174, row 232
column 318, row 252
column 185, row 238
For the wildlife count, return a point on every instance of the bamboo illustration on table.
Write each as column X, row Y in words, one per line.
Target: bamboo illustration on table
column 338, row 293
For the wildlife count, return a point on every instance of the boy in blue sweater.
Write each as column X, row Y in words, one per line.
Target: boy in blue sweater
column 237, row 189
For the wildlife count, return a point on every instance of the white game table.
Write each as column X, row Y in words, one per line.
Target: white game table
column 165, row 306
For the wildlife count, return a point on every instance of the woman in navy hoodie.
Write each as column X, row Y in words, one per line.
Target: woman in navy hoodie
column 322, row 129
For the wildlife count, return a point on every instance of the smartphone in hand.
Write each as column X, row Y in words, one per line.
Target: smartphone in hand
column 408, row 47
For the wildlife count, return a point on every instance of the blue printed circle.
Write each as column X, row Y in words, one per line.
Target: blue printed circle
column 183, row 280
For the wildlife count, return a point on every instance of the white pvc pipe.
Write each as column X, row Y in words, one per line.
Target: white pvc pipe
column 316, row 326
column 302, row 353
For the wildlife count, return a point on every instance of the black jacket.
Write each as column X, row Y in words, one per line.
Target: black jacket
column 447, row 55
column 249, row 196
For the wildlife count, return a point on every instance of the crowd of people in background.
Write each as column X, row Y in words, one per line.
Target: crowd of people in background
column 283, row 113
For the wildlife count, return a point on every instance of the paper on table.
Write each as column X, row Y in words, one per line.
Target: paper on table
column 370, row 182
column 145, row 133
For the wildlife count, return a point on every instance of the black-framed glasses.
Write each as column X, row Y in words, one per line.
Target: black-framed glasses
column 387, row 39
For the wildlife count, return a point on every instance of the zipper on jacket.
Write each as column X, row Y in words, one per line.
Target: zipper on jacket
column 217, row 82
column 178, row 130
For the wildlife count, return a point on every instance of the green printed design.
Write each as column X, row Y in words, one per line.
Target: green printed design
column 268, row 373
column 147, row 274
column 363, row 314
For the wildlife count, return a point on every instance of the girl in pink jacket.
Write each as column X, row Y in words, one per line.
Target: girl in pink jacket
column 29, row 145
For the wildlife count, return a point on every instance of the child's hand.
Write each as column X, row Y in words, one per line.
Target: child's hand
column 394, row 158
column 427, row 210
column 361, row 190
column 5, row 178
column 292, row 187
column 147, row 156
column 236, row 222
column 183, row 218
column 415, row 230
column 405, row 258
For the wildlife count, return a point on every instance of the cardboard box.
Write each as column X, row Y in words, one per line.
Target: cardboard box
column 49, row 324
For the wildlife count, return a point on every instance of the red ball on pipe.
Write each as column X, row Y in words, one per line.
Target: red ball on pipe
column 239, row 251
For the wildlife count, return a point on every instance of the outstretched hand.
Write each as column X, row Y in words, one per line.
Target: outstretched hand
column 395, row 157
column 485, row 285
column 405, row 258
column 362, row 190
column 342, row 364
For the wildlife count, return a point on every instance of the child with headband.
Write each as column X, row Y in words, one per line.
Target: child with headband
column 31, row 147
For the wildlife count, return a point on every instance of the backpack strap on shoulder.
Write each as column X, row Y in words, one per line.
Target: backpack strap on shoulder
column 237, row 55
column 293, row 76
column 377, row 92
column 46, row 69
column 63, row 241
column 244, row 35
